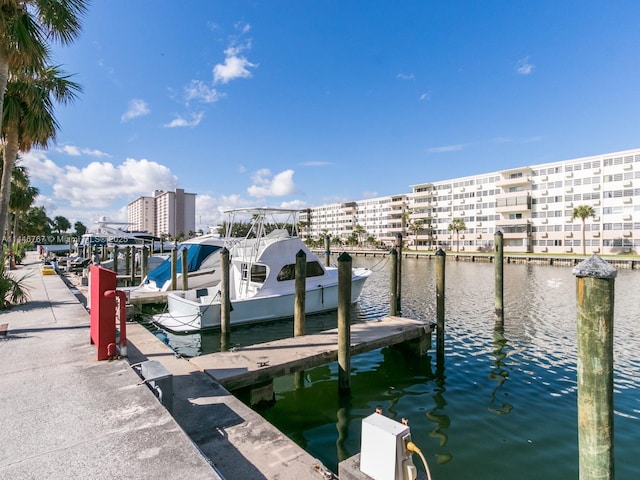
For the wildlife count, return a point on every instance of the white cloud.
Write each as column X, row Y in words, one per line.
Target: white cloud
column 369, row 194
column 198, row 90
column 40, row 167
column 98, row 189
column 69, row 150
column 137, row 108
column 95, row 153
column 243, row 27
column 294, row 204
column 210, row 210
column 425, row 96
column 277, row 186
column 77, row 151
column 101, row 184
column 524, row 67
column 233, row 67
column 315, row 163
column 446, row 148
column 405, row 76
column 179, row 121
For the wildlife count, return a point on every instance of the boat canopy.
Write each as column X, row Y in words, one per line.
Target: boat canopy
column 196, row 253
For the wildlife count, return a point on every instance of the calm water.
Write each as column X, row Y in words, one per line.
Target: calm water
column 503, row 405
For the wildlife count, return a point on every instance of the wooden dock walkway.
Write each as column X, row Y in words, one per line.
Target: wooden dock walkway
column 261, row 363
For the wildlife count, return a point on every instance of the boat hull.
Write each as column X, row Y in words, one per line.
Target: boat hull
column 186, row 315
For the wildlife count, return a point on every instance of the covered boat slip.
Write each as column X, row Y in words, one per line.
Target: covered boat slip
column 259, row 364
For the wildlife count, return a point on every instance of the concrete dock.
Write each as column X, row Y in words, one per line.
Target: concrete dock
column 257, row 364
column 67, row 415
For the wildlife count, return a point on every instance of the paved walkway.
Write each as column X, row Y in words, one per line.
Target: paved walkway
column 65, row 415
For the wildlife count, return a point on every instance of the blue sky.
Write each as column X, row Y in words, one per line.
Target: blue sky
column 299, row 103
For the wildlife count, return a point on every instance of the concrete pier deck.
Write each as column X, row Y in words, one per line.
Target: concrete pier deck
column 261, row 363
column 67, row 415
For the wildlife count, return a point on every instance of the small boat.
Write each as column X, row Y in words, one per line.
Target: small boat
column 261, row 278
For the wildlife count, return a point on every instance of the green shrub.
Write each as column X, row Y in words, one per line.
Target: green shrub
column 13, row 290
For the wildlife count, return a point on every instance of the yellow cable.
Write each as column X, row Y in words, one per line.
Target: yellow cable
column 412, row 447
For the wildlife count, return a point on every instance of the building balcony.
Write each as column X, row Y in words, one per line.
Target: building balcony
column 513, row 209
column 514, row 182
column 513, row 203
column 509, row 222
column 514, row 235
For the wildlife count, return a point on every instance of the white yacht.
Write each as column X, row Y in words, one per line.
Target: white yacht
column 261, row 278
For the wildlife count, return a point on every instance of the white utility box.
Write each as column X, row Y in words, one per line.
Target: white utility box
column 382, row 450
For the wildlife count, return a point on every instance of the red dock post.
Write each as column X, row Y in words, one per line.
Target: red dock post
column 103, row 313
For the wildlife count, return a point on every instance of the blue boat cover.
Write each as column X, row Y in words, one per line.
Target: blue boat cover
column 195, row 256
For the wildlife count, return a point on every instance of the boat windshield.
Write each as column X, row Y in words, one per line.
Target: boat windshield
column 195, row 256
column 288, row 272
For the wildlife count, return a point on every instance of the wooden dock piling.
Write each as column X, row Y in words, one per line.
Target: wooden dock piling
column 399, row 274
column 440, row 301
column 344, row 323
column 144, row 262
column 499, row 276
column 225, row 305
column 174, row 269
column 300, row 293
column 327, row 250
column 393, row 282
column 595, row 301
column 185, row 269
column 134, row 253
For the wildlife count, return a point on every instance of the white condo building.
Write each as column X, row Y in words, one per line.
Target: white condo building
column 532, row 206
column 380, row 218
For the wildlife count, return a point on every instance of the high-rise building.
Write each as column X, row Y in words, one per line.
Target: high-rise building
column 141, row 214
column 166, row 213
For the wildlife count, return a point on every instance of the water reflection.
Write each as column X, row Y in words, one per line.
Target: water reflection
column 498, row 373
column 459, row 416
column 436, row 415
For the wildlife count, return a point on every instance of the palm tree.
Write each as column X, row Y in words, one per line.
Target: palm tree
column 61, row 224
column 404, row 221
column 457, row 224
column 25, row 28
column 22, row 197
column 415, row 227
column 28, row 119
column 81, row 229
column 358, row 232
column 583, row 212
